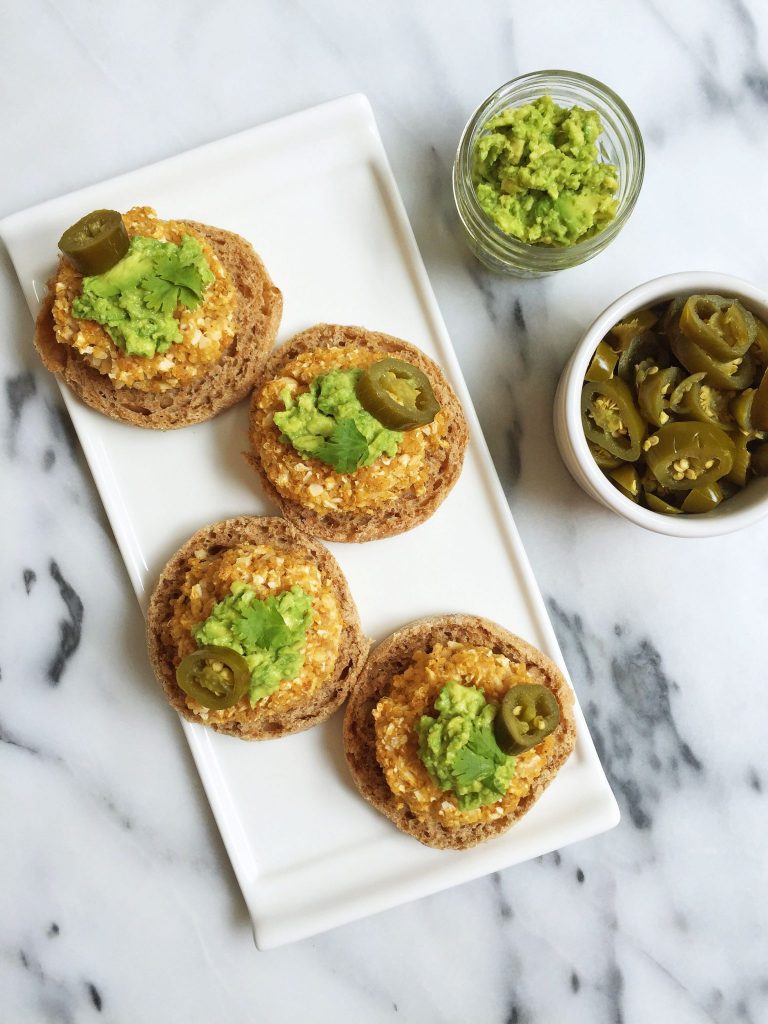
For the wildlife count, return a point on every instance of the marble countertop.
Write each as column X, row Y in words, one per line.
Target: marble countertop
column 117, row 900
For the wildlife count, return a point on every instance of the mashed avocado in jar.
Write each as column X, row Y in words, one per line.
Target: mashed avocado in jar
column 536, row 174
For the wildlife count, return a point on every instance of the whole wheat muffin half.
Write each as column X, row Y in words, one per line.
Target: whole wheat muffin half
column 391, row 491
column 258, row 587
column 395, row 698
column 220, row 346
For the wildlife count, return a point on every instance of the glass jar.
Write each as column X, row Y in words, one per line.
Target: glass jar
column 620, row 144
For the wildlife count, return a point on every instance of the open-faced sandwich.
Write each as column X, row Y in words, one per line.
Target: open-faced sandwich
column 158, row 323
column 355, row 434
column 455, row 729
column 252, row 629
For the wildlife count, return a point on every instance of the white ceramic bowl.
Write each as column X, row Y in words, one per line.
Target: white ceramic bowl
column 744, row 508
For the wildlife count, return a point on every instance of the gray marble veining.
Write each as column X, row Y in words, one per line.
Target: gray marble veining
column 117, row 901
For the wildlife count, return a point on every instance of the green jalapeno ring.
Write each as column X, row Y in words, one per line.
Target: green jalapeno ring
column 643, row 347
column 528, row 713
column 216, row 677
column 96, row 242
column 686, row 454
column 397, row 394
column 733, row 375
column 626, row 330
column 721, row 327
column 610, row 419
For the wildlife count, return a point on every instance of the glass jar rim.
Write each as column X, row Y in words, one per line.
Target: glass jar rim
column 540, row 257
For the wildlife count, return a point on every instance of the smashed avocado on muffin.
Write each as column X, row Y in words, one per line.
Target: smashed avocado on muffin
column 159, row 324
column 159, row 317
column 427, row 739
column 355, row 434
column 252, row 629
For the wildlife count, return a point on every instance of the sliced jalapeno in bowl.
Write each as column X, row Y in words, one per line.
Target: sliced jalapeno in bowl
column 691, row 385
column 721, row 327
column 689, row 454
column 610, row 418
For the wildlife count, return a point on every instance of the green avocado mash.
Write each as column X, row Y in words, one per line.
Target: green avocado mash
column 329, row 423
column 537, row 176
column 459, row 750
column 270, row 634
column 135, row 300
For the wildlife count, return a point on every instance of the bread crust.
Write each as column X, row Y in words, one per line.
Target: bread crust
column 257, row 318
column 392, row 657
column 405, row 512
column 229, row 533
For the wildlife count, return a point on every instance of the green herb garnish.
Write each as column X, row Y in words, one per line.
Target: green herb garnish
column 346, row 449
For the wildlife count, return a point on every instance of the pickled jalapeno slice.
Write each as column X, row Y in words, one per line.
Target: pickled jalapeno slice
column 528, row 713
column 610, row 418
column 624, row 331
column 702, row 499
column 670, row 321
column 397, row 394
column 741, row 460
column 741, row 410
column 627, row 479
column 604, row 459
column 215, row 677
column 688, row 454
column 657, row 504
column 96, row 242
column 705, row 403
column 683, row 387
column 722, row 327
column 643, row 347
column 731, row 375
column 603, row 363
column 654, row 391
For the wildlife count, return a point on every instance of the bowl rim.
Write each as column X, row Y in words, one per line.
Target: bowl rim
column 656, row 290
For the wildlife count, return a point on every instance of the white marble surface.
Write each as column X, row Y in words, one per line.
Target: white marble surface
column 116, row 897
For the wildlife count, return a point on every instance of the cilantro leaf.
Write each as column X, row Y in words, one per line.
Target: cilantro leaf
column 262, row 625
column 469, row 766
column 160, row 295
column 483, row 742
column 476, row 762
column 176, row 281
column 169, row 267
column 346, row 449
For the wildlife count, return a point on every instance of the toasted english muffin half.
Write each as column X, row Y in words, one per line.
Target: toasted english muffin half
column 270, row 555
column 493, row 660
column 388, row 497
column 252, row 325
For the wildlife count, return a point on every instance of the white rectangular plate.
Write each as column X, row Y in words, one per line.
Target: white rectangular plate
column 314, row 194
